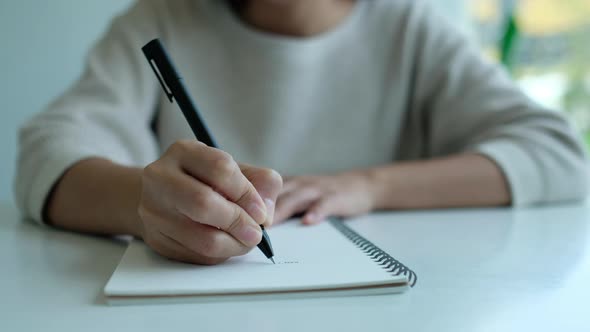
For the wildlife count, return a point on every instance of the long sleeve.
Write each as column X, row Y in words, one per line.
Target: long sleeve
column 469, row 104
column 107, row 113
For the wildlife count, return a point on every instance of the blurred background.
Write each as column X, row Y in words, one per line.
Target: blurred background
column 545, row 44
column 43, row 48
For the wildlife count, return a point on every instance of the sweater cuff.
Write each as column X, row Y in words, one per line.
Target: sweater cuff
column 49, row 172
column 521, row 171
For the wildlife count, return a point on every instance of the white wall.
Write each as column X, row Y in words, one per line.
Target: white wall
column 42, row 50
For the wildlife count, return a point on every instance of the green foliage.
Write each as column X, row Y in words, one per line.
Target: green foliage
column 508, row 41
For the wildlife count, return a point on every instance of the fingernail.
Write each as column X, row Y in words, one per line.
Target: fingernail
column 270, row 210
column 250, row 235
column 257, row 212
column 310, row 218
column 270, row 204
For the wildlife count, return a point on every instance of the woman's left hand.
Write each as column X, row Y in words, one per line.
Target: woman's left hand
column 320, row 196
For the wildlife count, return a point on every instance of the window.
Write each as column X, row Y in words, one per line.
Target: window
column 546, row 48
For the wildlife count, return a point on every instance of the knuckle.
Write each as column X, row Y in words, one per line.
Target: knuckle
column 180, row 146
column 246, row 194
column 237, row 219
column 201, row 201
column 271, row 176
column 223, row 164
column 152, row 170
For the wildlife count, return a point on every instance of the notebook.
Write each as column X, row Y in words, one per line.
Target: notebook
column 329, row 259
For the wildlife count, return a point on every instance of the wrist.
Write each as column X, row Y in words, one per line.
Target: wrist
column 375, row 188
column 134, row 225
column 386, row 187
column 136, row 229
column 122, row 203
column 369, row 180
column 132, row 219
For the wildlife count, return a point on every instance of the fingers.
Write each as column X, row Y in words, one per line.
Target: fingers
column 218, row 170
column 200, row 242
column 201, row 204
column 295, row 201
column 268, row 184
column 319, row 211
column 170, row 248
column 198, row 205
column 335, row 205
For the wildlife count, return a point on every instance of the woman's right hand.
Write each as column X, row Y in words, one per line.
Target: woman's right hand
column 199, row 206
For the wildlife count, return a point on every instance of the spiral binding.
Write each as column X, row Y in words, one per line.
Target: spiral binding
column 388, row 263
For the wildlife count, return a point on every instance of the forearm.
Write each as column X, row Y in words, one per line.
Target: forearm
column 96, row 196
column 456, row 181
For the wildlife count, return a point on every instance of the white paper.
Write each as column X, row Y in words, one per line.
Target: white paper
column 308, row 258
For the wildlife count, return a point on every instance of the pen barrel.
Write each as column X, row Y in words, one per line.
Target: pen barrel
column 193, row 117
column 174, row 89
column 265, row 246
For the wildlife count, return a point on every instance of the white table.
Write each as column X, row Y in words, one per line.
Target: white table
column 479, row 270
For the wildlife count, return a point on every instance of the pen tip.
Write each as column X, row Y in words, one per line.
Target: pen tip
column 272, row 260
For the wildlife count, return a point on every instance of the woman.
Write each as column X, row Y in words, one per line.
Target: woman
column 361, row 105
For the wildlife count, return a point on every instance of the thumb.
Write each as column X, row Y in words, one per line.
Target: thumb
column 319, row 211
column 268, row 183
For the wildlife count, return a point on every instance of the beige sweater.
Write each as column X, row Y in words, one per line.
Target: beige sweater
column 393, row 82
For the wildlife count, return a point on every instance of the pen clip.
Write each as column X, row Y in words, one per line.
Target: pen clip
column 154, row 52
column 160, row 79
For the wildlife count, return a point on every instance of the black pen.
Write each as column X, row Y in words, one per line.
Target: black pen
column 174, row 89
